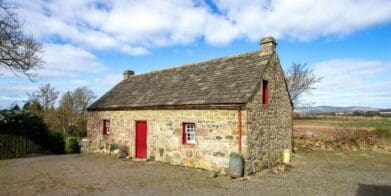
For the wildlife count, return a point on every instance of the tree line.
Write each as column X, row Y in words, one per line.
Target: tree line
column 55, row 123
column 69, row 116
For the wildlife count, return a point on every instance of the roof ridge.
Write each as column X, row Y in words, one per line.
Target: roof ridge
column 180, row 66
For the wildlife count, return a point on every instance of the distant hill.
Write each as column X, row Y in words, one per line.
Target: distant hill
column 385, row 110
column 322, row 109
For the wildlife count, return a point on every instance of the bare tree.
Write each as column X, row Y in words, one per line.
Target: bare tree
column 46, row 95
column 72, row 111
column 65, row 112
column 300, row 79
column 83, row 97
column 19, row 52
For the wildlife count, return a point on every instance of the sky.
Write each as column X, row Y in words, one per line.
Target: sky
column 91, row 42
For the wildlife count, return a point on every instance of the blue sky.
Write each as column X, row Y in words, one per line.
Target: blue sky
column 90, row 43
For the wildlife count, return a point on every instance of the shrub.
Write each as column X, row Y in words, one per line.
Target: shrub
column 16, row 122
column 72, row 145
column 353, row 134
column 382, row 132
column 56, row 143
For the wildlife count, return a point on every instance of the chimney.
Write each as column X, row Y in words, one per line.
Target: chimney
column 127, row 73
column 268, row 44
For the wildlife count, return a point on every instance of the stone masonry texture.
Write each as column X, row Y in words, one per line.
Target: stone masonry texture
column 216, row 135
column 269, row 126
column 266, row 129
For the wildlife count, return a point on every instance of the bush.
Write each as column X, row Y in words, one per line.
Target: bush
column 353, row 134
column 72, row 145
column 16, row 122
column 56, row 143
column 381, row 132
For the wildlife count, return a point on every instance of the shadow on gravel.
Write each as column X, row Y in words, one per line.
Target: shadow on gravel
column 367, row 189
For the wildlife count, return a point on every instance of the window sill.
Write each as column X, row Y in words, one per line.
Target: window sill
column 189, row 145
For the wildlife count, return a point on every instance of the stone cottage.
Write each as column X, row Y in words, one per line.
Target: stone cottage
column 195, row 115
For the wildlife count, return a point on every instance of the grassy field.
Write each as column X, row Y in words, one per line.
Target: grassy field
column 330, row 126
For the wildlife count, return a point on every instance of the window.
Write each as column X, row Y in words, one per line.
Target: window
column 106, row 127
column 265, row 92
column 189, row 133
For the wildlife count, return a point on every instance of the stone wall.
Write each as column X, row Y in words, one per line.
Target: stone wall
column 269, row 126
column 216, row 135
column 266, row 130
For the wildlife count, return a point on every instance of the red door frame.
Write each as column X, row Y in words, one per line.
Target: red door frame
column 138, row 152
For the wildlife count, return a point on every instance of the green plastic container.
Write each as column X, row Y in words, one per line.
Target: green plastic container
column 236, row 167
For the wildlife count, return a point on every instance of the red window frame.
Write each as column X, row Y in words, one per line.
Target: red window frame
column 106, row 127
column 185, row 133
column 265, row 92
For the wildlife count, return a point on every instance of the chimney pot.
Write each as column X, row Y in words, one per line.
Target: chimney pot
column 128, row 73
column 268, row 44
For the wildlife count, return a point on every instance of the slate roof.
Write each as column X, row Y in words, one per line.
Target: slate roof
column 228, row 80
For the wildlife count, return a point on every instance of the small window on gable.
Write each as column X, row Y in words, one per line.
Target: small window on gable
column 189, row 133
column 106, row 127
column 265, row 92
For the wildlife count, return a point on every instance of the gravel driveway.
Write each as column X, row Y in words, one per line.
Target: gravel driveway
column 315, row 173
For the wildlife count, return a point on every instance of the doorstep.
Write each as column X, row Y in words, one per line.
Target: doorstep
column 140, row 159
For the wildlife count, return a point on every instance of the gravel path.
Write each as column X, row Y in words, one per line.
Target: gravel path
column 315, row 173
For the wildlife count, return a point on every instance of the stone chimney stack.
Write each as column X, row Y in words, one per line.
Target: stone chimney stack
column 268, row 44
column 127, row 73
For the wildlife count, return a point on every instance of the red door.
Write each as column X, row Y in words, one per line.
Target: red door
column 141, row 139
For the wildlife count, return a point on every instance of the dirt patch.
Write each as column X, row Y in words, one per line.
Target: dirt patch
column 89, row 174
column 322, row 129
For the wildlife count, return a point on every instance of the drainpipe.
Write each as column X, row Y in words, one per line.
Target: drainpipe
column 292, row 144
column 240, row 130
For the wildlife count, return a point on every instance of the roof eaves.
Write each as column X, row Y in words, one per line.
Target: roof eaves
column 182, row 106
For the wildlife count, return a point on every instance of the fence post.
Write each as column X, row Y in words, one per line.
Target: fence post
column 6, row 146
column 15, row 145
column 20, row 147
column 2, row 146
column 28, row 146
column 25, row 145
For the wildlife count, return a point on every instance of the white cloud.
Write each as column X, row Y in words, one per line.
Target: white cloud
column 101, row 85
column 68, row 61
column 352, row 82
column 133, row 27
column 78, row 83
column 12, row 93
column 64, row 67
column 73, row 30
column 304, row 19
